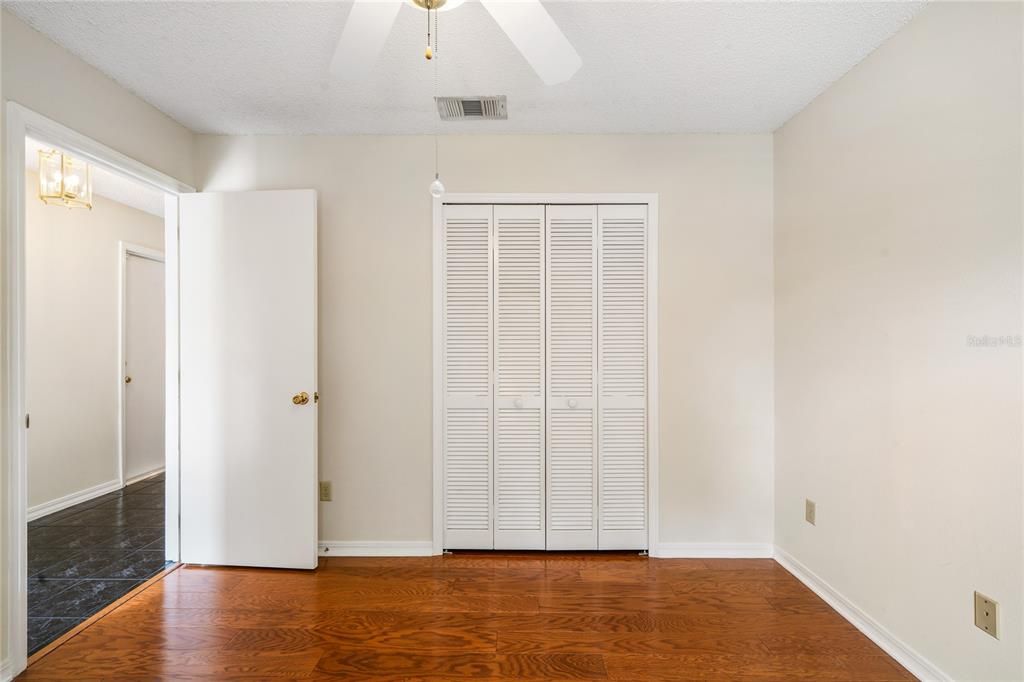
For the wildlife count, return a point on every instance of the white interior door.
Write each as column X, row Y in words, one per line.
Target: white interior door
column 622, row 376
column 248, row 378
column 468, row 366
column 143, row 366
column 572, row 377
column 519, row 371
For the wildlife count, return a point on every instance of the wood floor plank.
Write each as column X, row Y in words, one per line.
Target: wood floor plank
column 610, row 602
column 726, row 667
column 377, row 665
column 623, row 643
column 503, row 616
column 809, row 604
column 398, row 637
column 117, row 664
column 114, row 635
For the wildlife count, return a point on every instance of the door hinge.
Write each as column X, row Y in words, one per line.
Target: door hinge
column 28, row 420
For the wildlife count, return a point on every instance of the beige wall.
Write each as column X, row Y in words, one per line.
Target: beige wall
column 49, row 80
column 72, row 306
column 375, row 308
column 898, row 236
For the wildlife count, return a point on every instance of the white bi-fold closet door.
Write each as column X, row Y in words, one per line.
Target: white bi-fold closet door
column 544, row 324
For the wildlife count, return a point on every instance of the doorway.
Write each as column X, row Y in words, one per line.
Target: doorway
column 142, row 361
column 106, row 504
column 94, row 296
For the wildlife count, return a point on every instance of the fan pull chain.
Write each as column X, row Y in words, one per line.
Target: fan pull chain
column 436, row 187
column 429, row 54
column 436, row 152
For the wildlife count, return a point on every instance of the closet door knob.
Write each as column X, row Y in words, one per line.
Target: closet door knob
column 518, row 402
column 300, row 398
column 572, row 402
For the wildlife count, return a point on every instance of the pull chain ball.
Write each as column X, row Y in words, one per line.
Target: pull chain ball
column 429, row 54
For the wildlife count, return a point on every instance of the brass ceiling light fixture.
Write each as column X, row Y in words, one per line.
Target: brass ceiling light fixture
column 64, row 180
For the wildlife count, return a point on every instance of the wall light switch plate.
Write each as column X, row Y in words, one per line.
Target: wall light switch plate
column 325, row 491
column 986, row 614
column 810, row 512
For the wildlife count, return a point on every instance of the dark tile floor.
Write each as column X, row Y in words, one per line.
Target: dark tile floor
column 85, row 557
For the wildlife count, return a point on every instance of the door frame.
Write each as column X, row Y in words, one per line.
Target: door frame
column 127, row 249
column 22, row 122
column 653, row 395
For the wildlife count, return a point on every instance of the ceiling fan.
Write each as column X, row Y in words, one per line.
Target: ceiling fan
column 527, row 24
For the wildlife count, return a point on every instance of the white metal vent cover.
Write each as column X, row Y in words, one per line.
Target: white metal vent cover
column 473, row 108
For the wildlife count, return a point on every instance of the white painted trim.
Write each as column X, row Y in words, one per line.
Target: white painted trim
column 547, row 198
column 172, row 363
column 143, row 477
column 653, row 386
column 653, row 395
column 15, row 462
column 126, row 249
column 917, row 664
column 48, row 131
column 712, row 550
column 21, row 122
column 70, row 500
column 6, row 670
column 376, row 548
column 438, row 398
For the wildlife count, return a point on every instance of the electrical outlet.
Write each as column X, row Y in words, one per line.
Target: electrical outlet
column 325, row 491
column 810, row 511
column 986, row 614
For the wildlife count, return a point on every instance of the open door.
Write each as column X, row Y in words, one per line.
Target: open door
column 248, row 397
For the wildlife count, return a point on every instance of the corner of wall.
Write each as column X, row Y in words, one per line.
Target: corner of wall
column 904, row 654
column 5, row 671
column 82, row 98
column 772, row 368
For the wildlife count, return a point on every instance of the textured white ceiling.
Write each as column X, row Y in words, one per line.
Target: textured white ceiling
column 648, row 67
column 109, row 184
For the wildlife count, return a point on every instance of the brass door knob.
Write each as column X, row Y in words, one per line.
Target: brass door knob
column 127, row 380
column 300, row 398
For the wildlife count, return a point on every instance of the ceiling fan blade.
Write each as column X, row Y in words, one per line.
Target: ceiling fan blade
column 532, row 30
column 363, row 37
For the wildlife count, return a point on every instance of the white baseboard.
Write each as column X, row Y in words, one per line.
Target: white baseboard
column 712, row 550
column 143, row 477
column 41, row 510
column 6, row 670
column 918, row 665
column 663, row 550
column 385, row 548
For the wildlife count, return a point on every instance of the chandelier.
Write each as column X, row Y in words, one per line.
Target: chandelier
column 64, row 180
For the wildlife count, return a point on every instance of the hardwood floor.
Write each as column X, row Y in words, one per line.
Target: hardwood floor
column 476, row 616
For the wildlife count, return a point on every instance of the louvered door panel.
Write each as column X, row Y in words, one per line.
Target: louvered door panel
column 622, row 376
column 572, row 377
column 519, row 372
column 467, row 362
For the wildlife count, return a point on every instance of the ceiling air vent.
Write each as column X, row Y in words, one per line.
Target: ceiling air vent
column 472, row 108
